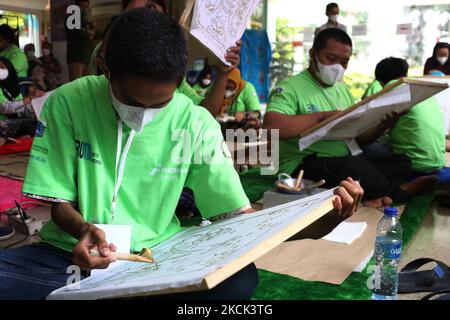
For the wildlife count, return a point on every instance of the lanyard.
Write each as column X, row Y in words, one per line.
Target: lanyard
column 120, row 166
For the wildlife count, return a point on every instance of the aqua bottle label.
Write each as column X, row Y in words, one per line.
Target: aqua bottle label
column 390, row 251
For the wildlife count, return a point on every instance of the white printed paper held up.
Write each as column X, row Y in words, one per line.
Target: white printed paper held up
column 218, row 24
column 38, row 104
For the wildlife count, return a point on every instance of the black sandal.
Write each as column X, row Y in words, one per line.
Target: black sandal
column 411, row 280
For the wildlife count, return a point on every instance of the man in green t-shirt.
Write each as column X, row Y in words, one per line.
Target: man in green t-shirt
column 419, row 133
column 119, row 150
column 302, row 101
column 11, row 51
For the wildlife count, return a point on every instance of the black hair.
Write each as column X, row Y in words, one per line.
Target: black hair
column 321, row 40
column 205, row 71
column 390, row 69
column 434, row 62
column 10, row 86
column 331, row 6
column 146, row 43
column 7, row 32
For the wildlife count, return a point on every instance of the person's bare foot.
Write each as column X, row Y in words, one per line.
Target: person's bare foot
column 421, row 185
column 378, row 203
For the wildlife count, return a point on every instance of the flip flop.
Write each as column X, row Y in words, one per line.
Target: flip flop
column 411, row 280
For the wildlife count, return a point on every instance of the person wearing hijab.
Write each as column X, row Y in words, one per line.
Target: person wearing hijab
column 241, row 99
column 10, row 50
column 11, row 100
column 16, row 114
column 440, row 60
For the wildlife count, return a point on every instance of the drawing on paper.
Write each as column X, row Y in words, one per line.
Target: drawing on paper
column 188, row 257
column 218, row 24
column 368, row 113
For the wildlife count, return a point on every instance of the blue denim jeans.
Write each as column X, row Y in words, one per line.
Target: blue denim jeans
column 33, row 272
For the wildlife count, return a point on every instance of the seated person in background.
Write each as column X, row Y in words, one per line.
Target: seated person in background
column 241, row 99
column 35, row 69
column 214, row 97
column 305, row 100
column 16, row 115
column 205, row 79
column 419, row 133
column 11, row 51
column 91, row 113
column 30, row 52
column 440, row 60
column 373, row 88
column 11, row 101
column 52, row 67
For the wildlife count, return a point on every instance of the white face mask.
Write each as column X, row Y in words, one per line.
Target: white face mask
column 206, row 82
column 334, row 18
column 229, row 93
column 134, row 117
column 442, row 60
column 46, row 52
column 4, row 73
column 330, row 74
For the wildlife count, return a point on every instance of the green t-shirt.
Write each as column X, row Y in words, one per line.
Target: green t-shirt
column 201, row 91
column 419, row 134
column 189, row 92
column 301, row 94
column 373, row 88
column 74, row 158
column 17, row 58
column 247, row 100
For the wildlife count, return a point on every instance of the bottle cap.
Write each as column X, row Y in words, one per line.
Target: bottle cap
column 390, row 212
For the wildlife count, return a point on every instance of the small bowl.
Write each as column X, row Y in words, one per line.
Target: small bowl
column 289, row 182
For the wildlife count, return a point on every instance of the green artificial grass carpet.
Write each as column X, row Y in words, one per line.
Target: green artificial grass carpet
column 274, row 286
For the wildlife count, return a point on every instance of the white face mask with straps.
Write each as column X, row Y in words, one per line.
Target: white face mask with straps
column 334, row 18
column 330, row 74
column 134, row 117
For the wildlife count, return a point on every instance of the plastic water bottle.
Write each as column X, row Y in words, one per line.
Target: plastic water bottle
column 388, row 248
